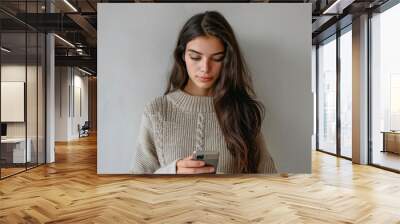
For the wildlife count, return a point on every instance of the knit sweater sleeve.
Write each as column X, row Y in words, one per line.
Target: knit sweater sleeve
column 146, row 160
column 266, row 164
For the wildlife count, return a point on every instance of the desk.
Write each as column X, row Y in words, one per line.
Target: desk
column 15, row 148
column 391, row 141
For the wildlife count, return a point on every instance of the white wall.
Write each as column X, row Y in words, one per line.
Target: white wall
column 135, row 45
column 79, row 117
column 61, row 103
column 17, row 72
column 67, row 80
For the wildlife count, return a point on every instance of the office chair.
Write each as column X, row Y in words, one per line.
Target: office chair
column 84, row 130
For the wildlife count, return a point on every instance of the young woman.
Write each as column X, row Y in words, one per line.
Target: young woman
column 208, row 105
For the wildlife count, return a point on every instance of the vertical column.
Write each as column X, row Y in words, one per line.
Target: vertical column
column 360, row 90
column 314, row 93
column 50, row 92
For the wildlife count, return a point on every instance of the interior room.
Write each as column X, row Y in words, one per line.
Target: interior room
column 54, row 128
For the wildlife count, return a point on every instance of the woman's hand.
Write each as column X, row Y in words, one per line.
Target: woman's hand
column 190, row 166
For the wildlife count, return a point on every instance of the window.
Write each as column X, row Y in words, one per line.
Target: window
column 385, row 88
column 346, row 93
column 327, row 96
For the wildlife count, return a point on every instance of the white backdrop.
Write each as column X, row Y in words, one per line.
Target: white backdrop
column 135, row 45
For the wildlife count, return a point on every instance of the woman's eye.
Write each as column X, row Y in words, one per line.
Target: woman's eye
column 195, row 58
column 219, row 59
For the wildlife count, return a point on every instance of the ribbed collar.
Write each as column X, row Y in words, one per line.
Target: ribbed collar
column 191, row 103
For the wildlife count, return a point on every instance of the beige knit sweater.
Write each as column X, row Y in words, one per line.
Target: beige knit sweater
column 175, row 125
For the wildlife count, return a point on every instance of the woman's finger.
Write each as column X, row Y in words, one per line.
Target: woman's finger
column 190, row 163
column 205, row 169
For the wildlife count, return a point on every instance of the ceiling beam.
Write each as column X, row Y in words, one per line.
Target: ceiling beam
column 86, row 26
column 85, row 61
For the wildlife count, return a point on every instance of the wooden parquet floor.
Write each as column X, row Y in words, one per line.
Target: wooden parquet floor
column 70, row 191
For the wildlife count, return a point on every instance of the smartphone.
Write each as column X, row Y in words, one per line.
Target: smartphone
column 211, row 158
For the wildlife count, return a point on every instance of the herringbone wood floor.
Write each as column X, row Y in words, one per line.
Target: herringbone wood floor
column 70, row 191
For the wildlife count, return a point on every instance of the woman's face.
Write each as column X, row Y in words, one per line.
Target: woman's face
column 203, row 57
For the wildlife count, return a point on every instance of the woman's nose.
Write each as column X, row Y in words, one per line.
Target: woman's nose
column 205, row 66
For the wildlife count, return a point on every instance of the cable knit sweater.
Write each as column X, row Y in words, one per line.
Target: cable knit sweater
column 175, row 125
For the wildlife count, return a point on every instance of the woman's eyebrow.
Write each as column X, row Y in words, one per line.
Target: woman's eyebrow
column 221, row 52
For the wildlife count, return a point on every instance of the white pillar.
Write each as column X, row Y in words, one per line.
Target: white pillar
column 360, row 90
column 50, row 79
column 50, row 93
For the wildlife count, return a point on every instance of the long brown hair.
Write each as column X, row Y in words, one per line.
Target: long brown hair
column 239, row 114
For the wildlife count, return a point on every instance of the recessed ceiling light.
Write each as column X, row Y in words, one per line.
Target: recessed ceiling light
column 84, row 71
column 338, row 6
column 70, row 5
column 5, row 50
column 64, row 40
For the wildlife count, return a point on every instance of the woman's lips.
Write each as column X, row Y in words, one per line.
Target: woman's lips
column 204, row 79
